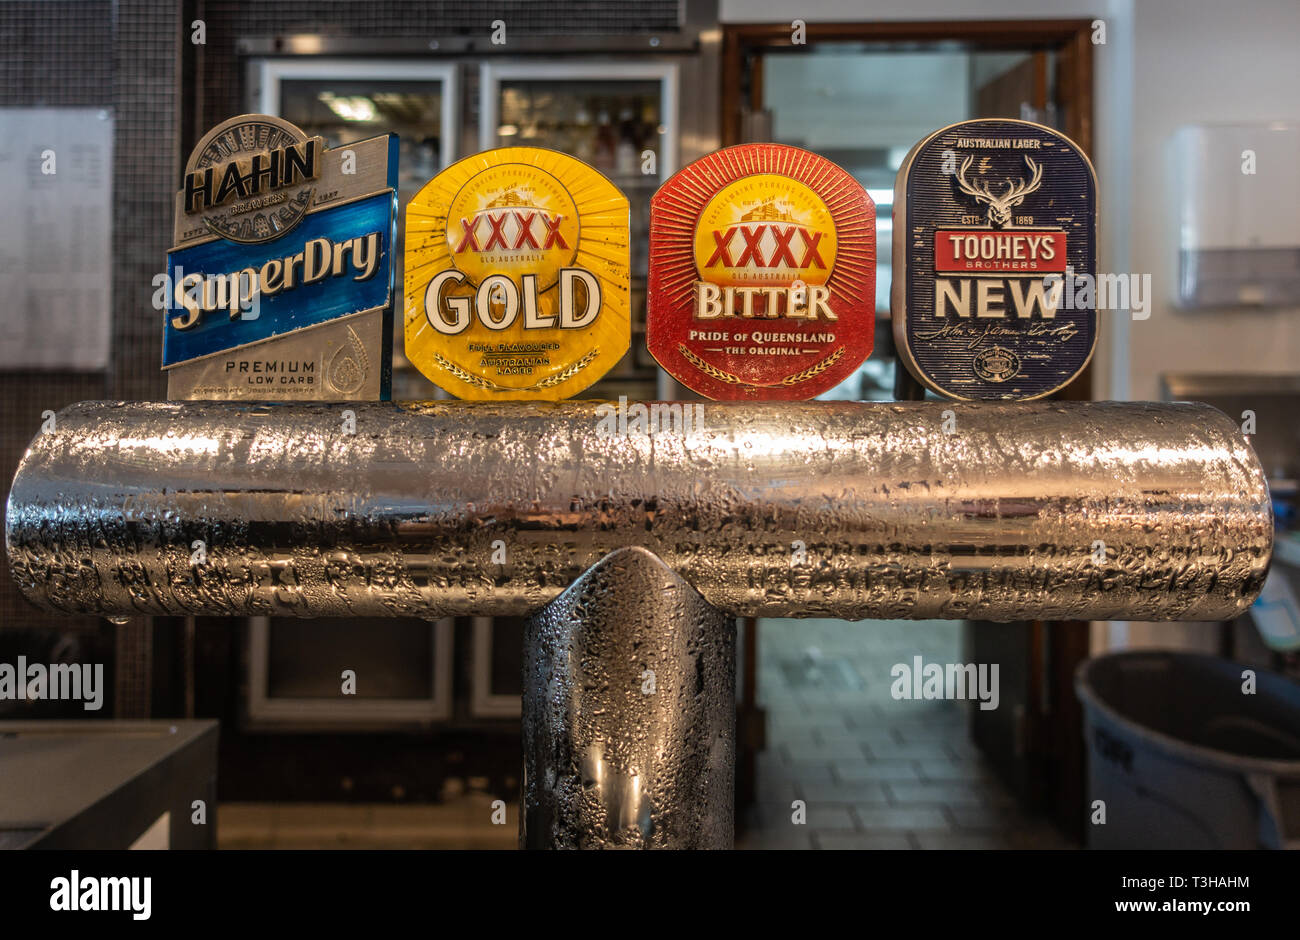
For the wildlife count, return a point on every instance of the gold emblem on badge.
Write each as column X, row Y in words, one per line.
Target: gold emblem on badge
column 517, row 276
column 252, row 178
column 764, row 229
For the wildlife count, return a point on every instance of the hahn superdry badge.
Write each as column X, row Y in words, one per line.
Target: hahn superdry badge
column 280, row 284
column 992, row 218
column 762, row 274
column 517, row 281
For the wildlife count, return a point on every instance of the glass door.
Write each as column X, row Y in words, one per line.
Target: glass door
column 620, row 117
column 346, row 100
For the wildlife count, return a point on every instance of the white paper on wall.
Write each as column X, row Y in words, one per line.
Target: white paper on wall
column 56, row 174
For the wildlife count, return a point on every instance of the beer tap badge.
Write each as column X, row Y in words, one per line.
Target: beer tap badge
column 280, row 284
column 517, row 276
column 762, row 274
column 995, row 223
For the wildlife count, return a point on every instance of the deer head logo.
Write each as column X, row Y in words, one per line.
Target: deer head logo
column 1000, row 206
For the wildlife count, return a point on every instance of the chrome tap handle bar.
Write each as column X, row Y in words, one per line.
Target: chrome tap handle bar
column 852, row 510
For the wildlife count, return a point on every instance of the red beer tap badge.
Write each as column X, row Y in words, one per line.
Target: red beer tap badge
column 762, row 274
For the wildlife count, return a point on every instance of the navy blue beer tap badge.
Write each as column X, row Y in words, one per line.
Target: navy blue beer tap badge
column 279, row 287
column 995, row 225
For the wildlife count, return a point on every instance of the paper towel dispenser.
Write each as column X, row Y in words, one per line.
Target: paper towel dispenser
column 1235, row 191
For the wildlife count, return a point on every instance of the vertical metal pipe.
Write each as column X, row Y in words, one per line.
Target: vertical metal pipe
column 629, row 713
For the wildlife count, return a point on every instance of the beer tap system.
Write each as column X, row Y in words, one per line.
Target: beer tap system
column 1000, row 519
column 635, row 549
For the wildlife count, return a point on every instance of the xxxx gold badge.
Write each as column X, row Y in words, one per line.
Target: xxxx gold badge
column 762, row 274
column 517, row 276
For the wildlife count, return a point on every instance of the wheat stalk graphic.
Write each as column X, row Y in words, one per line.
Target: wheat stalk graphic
column 812, row 371
column 550, row 381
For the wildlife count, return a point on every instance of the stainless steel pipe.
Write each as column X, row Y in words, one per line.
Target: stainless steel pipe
column 852, row 510
column 629, row 714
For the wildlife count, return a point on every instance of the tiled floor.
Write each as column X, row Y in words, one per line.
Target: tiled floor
column 872, row 772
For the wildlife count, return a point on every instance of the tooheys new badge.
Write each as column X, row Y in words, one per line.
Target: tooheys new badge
column 281, row 278
column 990, row 219
column 517, row 276
column 762, row 274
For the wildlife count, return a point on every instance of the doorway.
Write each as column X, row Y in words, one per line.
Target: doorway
column 862, row 94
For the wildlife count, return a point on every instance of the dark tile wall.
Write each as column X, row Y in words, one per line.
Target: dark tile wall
column 51, row 55
column 146, row 162
column 122, row 56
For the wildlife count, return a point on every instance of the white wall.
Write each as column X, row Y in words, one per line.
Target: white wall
column 1202, row 61
column 1205, row 61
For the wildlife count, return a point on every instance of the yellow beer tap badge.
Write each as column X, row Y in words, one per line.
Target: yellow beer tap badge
column 517, row 283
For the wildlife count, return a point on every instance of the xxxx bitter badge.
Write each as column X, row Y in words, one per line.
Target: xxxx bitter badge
column 762, row 274
column 279, row 286
column 995, row 225
column 517, row 276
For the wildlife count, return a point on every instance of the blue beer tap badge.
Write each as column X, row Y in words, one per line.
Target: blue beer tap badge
column 280, row 284
column 995, row 235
